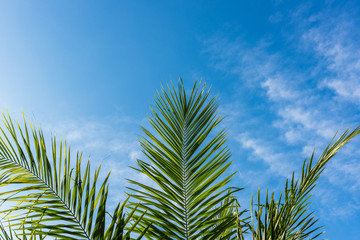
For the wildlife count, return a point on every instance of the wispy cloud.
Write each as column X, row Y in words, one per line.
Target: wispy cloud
column 278, row 89
column 307, row 103
column 335, row 42
column 110, row 141
column 275, row 161
column 345, row 174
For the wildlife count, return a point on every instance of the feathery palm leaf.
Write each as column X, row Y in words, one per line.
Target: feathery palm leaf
column 239, row 228
column 6, row 235
column 10, row 234
column 50, row 196
column 186, row 164
column 288, row 218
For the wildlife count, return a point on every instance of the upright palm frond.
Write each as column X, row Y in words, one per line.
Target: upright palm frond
column 51, row 195
column 288, row 218
column 186, row 163
column 239, row 228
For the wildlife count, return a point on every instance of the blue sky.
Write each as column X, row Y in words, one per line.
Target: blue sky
column 287, row 74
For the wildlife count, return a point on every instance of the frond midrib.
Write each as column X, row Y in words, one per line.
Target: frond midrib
column 54, row 193
column 184, row 171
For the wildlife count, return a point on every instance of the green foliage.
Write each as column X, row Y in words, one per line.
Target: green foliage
column 239, row 226
column 288, row 217
column 50, row 196
column 185, row 163
column 46, row 195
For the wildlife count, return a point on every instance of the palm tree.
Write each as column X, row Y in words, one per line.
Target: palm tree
column 51, row 195
column 45, row 194
column 190, row 200
column 187, row 163
column 288, row 217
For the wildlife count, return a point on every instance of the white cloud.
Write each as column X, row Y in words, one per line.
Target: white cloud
column 97, row 135
column 345, row 173
column 331, row 203
column 250, row 63
column 344, row 210
column 110, row 141
column 277, row 89
column 134, row 155
column 336, row 43
column 276, row 162
column 309, row 119
column 307, row 104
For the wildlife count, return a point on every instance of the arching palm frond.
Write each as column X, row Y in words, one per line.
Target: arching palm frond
column 46, row 194
column 288, row 217
column 186, row 164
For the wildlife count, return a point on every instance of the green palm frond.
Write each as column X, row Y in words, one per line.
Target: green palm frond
column 239, row 228
column 47, row 194
column 186, row 162
column 9, row 234
column 6, row 234
column 288, row 217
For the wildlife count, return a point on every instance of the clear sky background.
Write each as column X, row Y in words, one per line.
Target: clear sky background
column 287, row 74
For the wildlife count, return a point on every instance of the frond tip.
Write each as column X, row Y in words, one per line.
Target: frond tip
column 186, row 162
column 288, row 217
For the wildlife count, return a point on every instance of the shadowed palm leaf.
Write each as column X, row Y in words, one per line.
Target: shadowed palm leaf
column 186, row 163
column 49, row 196
column 239, row 228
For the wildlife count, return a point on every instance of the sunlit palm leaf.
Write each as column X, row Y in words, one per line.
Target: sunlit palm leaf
column 9, row 234
column 6, row 234
column 186, row 163
column 288, row 217
column 50, row 194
